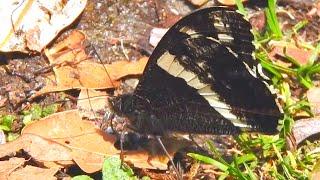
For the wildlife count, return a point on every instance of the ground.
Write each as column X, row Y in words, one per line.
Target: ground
column 119, row 30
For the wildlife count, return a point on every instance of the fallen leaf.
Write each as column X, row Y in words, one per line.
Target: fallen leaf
column 91, row 102
column 302, row 129
column 229, row 2
column 31, row 25
column 32, row 172
column 75, row 70
column 72, row 66
column 39, row 148
column 300, row 55
column 313, row 96
column 89, row 145
column 6, row 167
column 121, row 69
column 152, row 156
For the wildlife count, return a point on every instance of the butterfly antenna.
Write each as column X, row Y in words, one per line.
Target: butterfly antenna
column 100, row 60
column 90, row 103
column 179, row 175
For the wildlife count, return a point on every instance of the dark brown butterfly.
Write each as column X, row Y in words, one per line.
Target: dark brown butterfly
column 202, row 78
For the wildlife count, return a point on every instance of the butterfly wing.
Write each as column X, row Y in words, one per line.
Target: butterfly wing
column 201, row 78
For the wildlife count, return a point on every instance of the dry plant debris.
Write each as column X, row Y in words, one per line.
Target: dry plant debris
column 63, row 138
column 91, row 101
column 313, row 96
column 29, row 25
column 14, row 169
column 74, row 69
column 283, row 49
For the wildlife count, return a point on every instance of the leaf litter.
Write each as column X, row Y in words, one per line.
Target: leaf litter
column 64, row 137
column 73, row 67
column 29, row 25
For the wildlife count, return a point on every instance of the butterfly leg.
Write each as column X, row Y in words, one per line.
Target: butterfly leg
column 121, row 148
column 179, row 175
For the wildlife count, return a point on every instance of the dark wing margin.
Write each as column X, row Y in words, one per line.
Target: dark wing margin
column 201, row 78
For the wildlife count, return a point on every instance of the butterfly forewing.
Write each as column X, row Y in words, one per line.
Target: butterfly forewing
column 202, row 78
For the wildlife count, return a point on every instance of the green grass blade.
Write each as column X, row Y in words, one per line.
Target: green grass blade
column 250, row 172
column 315, row 55
column 272, row 20
column 209, row 160
column 299, row 26
column 241, row 9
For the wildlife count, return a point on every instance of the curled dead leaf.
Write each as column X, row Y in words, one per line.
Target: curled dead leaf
column 302, row 129
column 31, row 25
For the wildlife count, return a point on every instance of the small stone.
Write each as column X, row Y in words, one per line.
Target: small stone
column 156, row 35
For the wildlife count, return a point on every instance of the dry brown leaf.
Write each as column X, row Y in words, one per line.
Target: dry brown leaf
column 39, row 148
column 90, row 102
column 120, row 69
column 74, row 69
column 51, row 86
column 302, row 129
column 153, row 157
column 89, row 146
column 6, row 167
column 313, row 96
column 300, row 55
column 229, row 2
column 32, row 172
column 31, row 25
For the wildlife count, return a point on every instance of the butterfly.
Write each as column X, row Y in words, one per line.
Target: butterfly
column 202, row 78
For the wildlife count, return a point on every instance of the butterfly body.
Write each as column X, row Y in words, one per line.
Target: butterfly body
column 202, row 78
